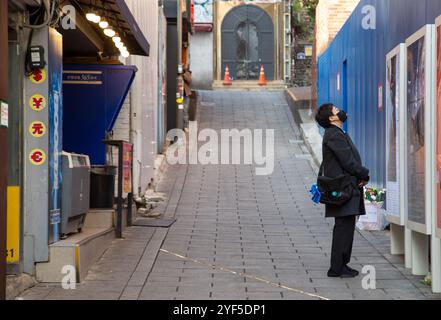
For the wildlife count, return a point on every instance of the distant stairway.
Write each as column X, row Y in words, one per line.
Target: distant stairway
column 241, row 85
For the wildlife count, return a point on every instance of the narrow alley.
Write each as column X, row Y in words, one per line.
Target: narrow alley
column 238, row 235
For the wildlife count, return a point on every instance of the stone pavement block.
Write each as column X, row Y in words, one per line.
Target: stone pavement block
column 394, row 284
column 306, row 295
column 137, row 279
column 194, row 282
column 131, row 293
column 108, row 276
column 330, row 283
column 264, row 296
column 370, row 260
column 159, row 288
column 389, row 275
column 86, row 293
column 296, row 272
column 404, row 294
column 156, row 296
column 173, row 272
column 293, row 264
column 335, row 293
column 226, row 276
column 230, row 290
column 259, row 287
column 227, row 296
column 192, row 296
column 39, row 292
column 193, row 291
column 379, row 294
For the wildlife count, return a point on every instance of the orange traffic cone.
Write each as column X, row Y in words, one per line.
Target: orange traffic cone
column 262, row 80
column 227, row 81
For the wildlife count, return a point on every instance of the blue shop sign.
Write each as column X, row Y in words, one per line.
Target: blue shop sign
column 82, row 77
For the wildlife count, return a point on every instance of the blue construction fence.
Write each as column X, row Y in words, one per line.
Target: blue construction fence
column 353, row 68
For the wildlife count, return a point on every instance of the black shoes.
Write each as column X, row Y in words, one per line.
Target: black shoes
column 347, row 272
column 351, row 271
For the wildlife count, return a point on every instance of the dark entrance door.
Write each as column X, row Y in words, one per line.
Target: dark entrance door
column 248, row 43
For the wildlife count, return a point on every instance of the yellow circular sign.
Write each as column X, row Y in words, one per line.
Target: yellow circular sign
column 179, row 100
column 37, row 129
column 37, row 102
column 37, row 157
column 38, row 76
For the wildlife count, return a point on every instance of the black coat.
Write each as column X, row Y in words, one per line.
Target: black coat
column 340, row 156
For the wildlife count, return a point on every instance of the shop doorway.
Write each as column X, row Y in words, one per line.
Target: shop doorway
column 248, row 43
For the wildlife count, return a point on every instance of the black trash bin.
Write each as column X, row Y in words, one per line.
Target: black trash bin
column 102, row 187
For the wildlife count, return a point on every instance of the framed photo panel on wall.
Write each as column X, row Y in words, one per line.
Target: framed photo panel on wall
column 437, row 129
column 419, row 167
column 395, row 133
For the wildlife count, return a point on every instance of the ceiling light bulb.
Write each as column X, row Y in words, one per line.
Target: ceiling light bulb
column 96, row 19
column 125, row 54
column 116, row 39
column 91, row 16
column 119, row 45
column 109, row 32
column 104, row 24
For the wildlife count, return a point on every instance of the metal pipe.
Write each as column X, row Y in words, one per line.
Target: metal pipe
column 179, row 23
column 3, row 142
column 119, row 210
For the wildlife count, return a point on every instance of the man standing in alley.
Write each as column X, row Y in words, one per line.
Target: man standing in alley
column 187, row 76
column 341, row 181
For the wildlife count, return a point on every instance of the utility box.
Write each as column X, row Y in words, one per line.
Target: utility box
column 75, row 192
column 102, row 192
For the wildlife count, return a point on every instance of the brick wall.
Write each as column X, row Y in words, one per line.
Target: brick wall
column 121, row 130
column 331, row 15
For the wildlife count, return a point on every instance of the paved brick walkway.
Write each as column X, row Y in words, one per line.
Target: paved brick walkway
column 238, row 235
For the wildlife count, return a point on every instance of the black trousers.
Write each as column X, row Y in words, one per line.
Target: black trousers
column 342, row 241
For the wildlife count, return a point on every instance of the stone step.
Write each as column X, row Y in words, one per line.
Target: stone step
column 100, row 218
column 249, row 85
column 80, row 251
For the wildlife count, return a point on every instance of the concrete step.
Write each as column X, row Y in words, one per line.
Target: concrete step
column 249, row 85
column 105, row 218
column 80, row 251
column 100, row 218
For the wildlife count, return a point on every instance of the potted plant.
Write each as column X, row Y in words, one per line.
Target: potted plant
column 374, row 220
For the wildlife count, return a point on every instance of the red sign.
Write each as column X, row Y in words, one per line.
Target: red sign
column 37, row 157
column 380, row 97
column 38, row 76
column 37, row 129
column 37, row 102
column 127, row 167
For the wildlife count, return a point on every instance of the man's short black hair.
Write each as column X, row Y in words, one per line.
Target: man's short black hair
column 323, row 114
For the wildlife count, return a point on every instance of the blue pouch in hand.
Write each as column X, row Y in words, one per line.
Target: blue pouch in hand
column 316, row 194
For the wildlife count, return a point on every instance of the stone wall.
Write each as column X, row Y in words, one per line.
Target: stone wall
column 302, row 67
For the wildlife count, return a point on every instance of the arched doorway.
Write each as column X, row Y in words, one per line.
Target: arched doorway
column 248, row 43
